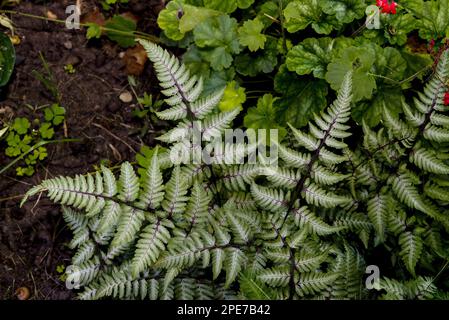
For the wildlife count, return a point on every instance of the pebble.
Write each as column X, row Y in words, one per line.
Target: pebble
column 68, row 45
column 126, row 97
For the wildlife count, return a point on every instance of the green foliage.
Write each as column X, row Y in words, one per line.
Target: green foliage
column 7, row 59
column 302, row 229
column 244, row 41
column 24, row 138
column 69, row 68
column 250, row 35
column 54, row 114
column 120, row 30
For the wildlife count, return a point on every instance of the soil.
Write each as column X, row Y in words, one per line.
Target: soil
column 33, row 239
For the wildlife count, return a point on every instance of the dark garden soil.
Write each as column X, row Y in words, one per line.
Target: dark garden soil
column 33, row 239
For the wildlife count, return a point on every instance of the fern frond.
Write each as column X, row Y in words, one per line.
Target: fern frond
column 204, row 106
column 175, row 200
column 293, row 158
column 253, row 289
column 324, row 176
column 234, row 262
column 152, row 192
column 304, row 217
column 378, row 211
column 427, row 160
column 151, row 242
column 180, row 88
column 314, row 195
column 394, row 288
column 314, row 282
column 271, row 199
column 84, row 253
column 436, row 134
column 128, row 226
column 403, row 187
column 84, row 273
column 214, row 125
column 236, row 178
column 128, row 183
column 275, row 277
column 411, row 249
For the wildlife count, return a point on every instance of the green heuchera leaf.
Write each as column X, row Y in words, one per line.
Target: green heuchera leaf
column 178, row 18
column 371, row 110
column 389, row 70
column 250, row 35
column 345, row 11
column 360, row 60
column 432, row 17
column 264, row 116
column 263, row 61
column 168, row 20
column 218, row 79
column 234, row 96
column 123, row 25
column 244, row 4
column 313, row 55
column 7, row 58
column 193, row 59
column 417, row 63
column 266, row 10
column 193, row 16
column 227, row 6
column 301, row 97
column 397, row 27
column 218, row 38
column 301, row 13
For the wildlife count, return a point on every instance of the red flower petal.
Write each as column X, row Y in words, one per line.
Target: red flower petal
column 446, row 99
column 392, row 7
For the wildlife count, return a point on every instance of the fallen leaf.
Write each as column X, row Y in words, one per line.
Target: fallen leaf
column 51, row 15
column 135, row 59
column 128, row 15
column 23, row 293
column 94, row 16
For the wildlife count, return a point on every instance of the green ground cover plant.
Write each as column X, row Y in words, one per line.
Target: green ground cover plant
column 306, row 228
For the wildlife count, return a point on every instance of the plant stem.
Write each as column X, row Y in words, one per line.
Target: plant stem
column 281, row 19
column 137, row 34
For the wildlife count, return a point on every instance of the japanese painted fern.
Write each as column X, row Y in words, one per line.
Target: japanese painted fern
column 301, row 229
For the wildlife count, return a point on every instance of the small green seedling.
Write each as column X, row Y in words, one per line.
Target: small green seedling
column 147, row 105
column 54, row 114
column 24, row 135
column 69, row 68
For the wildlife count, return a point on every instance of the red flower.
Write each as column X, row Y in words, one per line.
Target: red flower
column 446, row 99
column 387, row 7
column 392, row 7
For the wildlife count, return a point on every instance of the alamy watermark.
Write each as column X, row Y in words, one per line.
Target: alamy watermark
column 73, row 20
column 197, row 145
column 372, row 17
column 373, row 280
